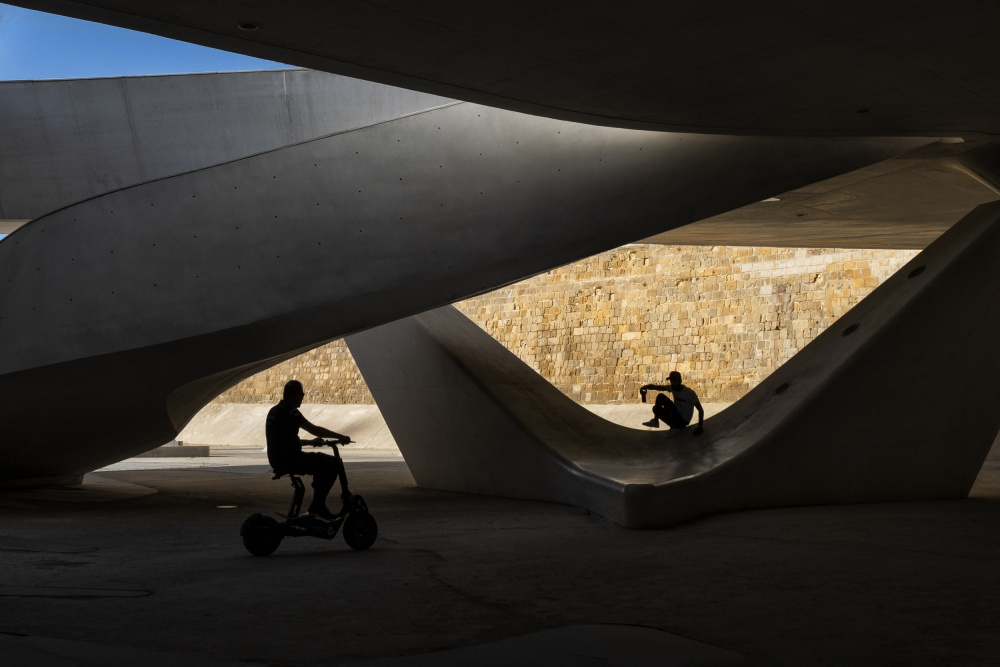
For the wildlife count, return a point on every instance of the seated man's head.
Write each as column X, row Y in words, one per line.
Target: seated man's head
column 293, row 393
column 675, row 379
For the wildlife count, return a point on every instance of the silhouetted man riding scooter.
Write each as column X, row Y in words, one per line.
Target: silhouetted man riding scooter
column 284, row 450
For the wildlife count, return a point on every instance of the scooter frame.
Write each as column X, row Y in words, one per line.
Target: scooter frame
column 262, row 534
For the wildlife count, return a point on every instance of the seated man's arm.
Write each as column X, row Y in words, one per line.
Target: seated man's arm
column 701, row 418
column 321, row 432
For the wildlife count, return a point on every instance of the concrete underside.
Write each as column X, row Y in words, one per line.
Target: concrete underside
column 901, row 203
column 835, row 68
column 896, row 583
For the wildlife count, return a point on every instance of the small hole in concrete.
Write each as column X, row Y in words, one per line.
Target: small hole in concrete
column 248, row 26
column 864, row 110
column 916, row 272
column 782, row 389
column 851, row 329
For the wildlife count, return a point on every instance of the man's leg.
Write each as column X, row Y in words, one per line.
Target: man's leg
column 665, row 409
column 658, row 407
column 325, row 471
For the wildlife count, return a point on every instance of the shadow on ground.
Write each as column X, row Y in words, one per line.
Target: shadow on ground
column 902, row 583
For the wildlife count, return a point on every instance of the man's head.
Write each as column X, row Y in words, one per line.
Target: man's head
column 293, row 393
column 675, row 379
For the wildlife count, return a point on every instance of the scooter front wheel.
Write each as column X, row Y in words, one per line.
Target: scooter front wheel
column 360, row 530
column 261, row 535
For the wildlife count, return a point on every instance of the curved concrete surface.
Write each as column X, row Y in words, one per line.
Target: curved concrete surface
column 156, row 297
column 899, row 203
column 845, row 68
column 889, row 404
column 68, row 140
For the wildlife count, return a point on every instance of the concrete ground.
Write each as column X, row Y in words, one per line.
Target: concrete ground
column 114, row 573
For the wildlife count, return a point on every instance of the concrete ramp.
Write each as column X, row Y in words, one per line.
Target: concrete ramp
column 897, row 401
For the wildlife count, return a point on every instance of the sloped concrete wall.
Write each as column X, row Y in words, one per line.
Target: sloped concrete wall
column 852, row 418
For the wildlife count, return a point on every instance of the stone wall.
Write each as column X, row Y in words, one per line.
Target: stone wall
column 725, row 317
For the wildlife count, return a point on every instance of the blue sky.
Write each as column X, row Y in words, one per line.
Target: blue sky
column 35, row 45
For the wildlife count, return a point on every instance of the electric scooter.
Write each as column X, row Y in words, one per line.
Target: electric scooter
column 263, row 534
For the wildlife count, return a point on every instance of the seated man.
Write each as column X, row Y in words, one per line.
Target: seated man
column 284, row 449
column 676, row 413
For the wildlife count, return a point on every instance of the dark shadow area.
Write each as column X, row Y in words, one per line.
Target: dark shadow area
column 893, row 583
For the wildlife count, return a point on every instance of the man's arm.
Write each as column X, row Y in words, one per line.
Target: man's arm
column 655, row 387
column 321, row 432
column 701, row 418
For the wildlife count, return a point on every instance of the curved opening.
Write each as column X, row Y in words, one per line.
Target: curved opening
column 851, row 329
column 917, row 271
column 781, row 389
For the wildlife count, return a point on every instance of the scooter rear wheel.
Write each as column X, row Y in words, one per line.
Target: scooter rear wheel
column 360, row 530
column 261, row 535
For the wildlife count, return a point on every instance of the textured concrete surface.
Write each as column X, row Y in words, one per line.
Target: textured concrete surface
column 164, row 577
column 895, row 204
column 67, row 140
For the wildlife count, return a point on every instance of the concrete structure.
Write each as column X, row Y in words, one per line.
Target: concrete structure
column 878, row 584
column 834, row 68
column 156, row 297
column 69, row 140
column 511, row 195
column 827, row 427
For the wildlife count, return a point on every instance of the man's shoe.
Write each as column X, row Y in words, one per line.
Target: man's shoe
column 652, row 423
column 322, row 512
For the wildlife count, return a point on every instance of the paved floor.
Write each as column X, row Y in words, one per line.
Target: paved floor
column 114, row 574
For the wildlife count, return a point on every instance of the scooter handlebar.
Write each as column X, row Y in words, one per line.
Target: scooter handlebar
column 321, row 442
